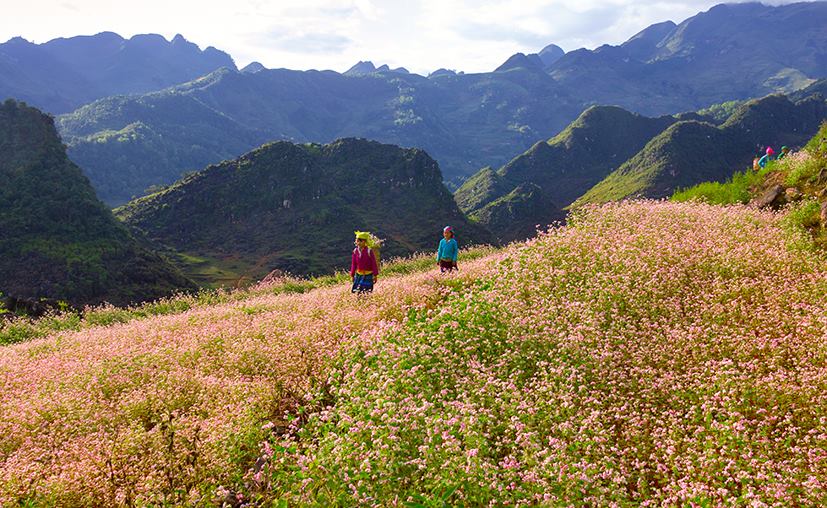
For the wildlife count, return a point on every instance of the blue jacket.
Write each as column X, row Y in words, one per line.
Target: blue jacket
column 447, row 250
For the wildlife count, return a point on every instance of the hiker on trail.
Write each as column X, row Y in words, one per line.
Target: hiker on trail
column 767, row 157
column 784, row 151
column 446, row 255
column 364, row 268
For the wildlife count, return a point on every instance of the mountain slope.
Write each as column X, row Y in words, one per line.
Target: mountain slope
column 464, row 121
column 559, row 169
column 58, row 241
column 691, row 152
column 295, row 207
column 63, row 74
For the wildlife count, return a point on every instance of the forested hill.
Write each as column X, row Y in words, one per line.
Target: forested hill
column 295, row 208
column 57, row 240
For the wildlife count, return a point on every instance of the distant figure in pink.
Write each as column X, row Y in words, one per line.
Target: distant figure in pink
column 364, row 269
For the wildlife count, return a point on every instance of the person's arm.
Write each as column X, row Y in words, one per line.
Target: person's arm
column 353, row 264
column 455, row 252
column 439, row 250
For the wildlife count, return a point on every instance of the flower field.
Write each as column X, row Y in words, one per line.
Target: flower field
column 649, row 354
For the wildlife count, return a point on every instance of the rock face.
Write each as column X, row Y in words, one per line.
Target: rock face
column 253, row 67
column 772, row 197
column 295, row 208
column 361, row 68
column 58, row 241
column 551, row 54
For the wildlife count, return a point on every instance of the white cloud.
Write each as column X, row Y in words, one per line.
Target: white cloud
column 421, row 35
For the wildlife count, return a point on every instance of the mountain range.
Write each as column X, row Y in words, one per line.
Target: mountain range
column 63, row 74
column 295, row 208
column 57, row 240
column 465, row 121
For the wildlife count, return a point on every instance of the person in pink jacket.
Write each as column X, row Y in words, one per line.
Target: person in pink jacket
column 363, row 266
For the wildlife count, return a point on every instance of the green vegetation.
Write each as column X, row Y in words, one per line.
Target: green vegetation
column 802, row 170
column 801, row 222
column 556, row 171
column 59, row 241
column 131, row 135
column 720, row 112
column 803, row 174
column 807, row 171
column 738, row 189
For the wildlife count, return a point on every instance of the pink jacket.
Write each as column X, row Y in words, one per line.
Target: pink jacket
column 363, row 261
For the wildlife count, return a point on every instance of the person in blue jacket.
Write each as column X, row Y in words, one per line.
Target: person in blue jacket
column 767, row 157
column 446, row 255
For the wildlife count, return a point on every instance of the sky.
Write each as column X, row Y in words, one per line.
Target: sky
column 420, row 35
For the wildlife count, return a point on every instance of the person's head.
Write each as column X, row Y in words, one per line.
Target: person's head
column 448, row 232
column 362, row 238
column 770, row 151
column 785, row 149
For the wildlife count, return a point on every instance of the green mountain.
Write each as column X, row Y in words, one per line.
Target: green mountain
column 122, row 163
column 690, row 152
column 465, row 121
column 57, row 240
column 295, row 207
column 65, row 73
column 533, row 188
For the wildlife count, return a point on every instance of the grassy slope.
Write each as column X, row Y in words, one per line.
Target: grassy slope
column 691, row 152
column 803, row 174
column 635, row 355
column 558, row 171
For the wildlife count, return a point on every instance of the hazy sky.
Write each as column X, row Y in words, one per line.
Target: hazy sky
column 421, row 35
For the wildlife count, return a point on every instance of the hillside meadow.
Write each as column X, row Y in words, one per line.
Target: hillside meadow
column 649, row 353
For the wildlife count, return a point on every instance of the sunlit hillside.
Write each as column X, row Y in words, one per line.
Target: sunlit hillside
column 649, row 353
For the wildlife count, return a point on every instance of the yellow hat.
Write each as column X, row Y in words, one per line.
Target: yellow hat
column 362, row 235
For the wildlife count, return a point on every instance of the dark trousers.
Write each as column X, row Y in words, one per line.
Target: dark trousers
column 362, row 283
column 447, row 265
